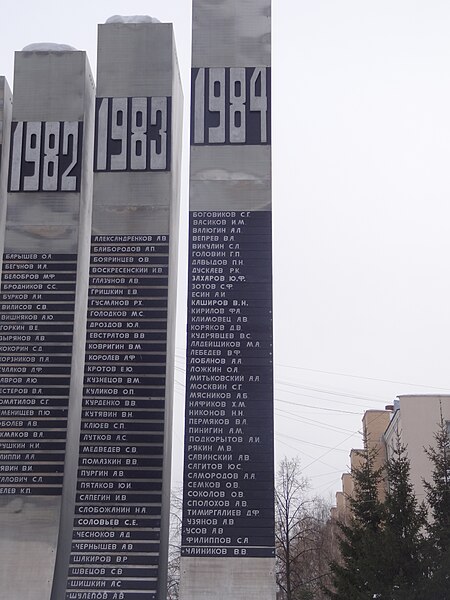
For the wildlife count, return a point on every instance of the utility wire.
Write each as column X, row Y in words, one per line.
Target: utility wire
column 328, row 451
column 331, row 392
column 340, row 402
column 431, row 387
column 289, row 437
column 320, row 424
column 305, row 453
column 346, row 412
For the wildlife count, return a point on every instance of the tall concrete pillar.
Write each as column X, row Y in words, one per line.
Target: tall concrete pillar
column 118, row 545
column 228, row 507
column 43, row 308
column 5, row 128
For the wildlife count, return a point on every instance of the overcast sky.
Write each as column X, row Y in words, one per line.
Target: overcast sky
column 361, row 202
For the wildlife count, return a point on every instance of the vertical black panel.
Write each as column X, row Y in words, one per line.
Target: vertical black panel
column 228, row 496
column 36, row 326
column 119, row 485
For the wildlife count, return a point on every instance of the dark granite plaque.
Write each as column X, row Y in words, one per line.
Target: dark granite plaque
column 36, row 325
column 228, row 496
column 118, row 500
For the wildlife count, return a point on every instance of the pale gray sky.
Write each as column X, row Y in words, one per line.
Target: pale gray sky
column 361, row 148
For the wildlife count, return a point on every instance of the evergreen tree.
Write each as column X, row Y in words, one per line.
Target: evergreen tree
column 405, row 521
column 382, row 546
column 359, row 575
column 438, row 498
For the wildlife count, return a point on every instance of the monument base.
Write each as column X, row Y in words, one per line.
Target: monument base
column 227, row 578
column 29, row 528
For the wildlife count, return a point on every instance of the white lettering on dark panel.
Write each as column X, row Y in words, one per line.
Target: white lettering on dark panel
column 231, row 105
column 132, row 134
column 45, row 156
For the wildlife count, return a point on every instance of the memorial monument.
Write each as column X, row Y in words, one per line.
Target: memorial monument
column 87, row 318
column 228, row 505
column 5, row 129
column 42, row 319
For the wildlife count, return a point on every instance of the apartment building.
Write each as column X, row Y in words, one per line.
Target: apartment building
column 415, row 419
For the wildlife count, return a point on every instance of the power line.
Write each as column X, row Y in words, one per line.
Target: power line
column 328, row 451
column 336, row 410
column 325, row 474
column 315, row 423
column 289, row 437
column 431, row 387
column 330, row 392
column 305, row 453
column 361, row 405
